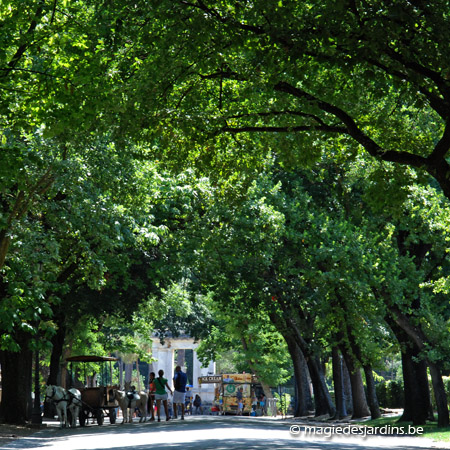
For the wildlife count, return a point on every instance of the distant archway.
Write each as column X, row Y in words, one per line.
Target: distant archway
column 165, row 356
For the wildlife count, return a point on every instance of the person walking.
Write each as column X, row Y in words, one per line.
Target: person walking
column 151, row 395
column 179, row 395
column 161, row 394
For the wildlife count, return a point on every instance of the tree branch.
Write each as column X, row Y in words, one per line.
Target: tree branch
column 287, row 129
column 442, row 147
column 22, row 49
column 353, row 130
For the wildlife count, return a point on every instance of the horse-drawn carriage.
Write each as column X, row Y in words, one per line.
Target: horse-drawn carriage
column 97, row 394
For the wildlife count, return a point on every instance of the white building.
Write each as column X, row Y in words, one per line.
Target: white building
column 164, row 354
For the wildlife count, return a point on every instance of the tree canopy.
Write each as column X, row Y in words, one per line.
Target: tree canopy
column 225, row 168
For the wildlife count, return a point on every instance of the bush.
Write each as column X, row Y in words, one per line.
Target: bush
column 395, row 394
column 390, row 394
column 382, row 394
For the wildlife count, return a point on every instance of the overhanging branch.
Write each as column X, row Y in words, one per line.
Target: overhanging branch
column 353, row 130
column 287, row 129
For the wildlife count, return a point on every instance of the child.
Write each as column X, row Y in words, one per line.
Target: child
column 240, row 407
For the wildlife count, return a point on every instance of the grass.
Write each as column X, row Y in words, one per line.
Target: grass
column 430, row 429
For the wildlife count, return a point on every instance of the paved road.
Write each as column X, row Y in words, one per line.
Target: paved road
column 206, row 433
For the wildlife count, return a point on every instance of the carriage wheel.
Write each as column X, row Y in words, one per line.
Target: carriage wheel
column 112, row 416
column 100, row 417
column 82, row 418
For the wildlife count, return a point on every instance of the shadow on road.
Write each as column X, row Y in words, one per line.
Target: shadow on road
column 195, row 433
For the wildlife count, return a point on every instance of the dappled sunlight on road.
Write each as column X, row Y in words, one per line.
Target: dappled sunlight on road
column 202, row 433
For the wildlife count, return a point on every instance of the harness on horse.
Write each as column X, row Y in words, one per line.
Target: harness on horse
column 132, row 395
column 69, row 400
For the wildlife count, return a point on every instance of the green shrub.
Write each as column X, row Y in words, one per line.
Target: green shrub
column 382, row 395
column 390, row 394
column 395, row 394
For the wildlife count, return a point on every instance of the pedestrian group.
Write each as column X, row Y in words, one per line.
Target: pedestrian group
column 182, row 396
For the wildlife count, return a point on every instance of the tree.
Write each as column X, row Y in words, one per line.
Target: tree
column 354, row 75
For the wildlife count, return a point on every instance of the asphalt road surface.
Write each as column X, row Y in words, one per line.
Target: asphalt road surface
column 208, row 433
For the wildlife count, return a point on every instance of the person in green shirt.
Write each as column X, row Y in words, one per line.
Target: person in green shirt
column 161, row 394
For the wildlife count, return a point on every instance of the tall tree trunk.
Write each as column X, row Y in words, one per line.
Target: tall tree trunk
column 121, row 377
column 54, row 377
column 418, row 337
column 360, row 407
column 415, row 379
column 439, row 394
column 128, row 374
column 371, row 393
column 15, row 407
column 347, row 389
column 322, row 398
column 338, row 382
column 303, row 395
column 415, row 386
column 288, row 327
column 57, row 341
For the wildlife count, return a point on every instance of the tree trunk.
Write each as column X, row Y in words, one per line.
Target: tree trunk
column 289, row 328
column 57, row 341
column 416, row 389
column 5, row 241
column 360, row 407
column 303, row 395
column 439, row 394
column 415, row 379
column 347, row 389
column 418, row 337
column 371, row 393
column 16, row 385
column 54, row 377
column 128, row 374
column 322, row 398
column 338, row 382
column 121, row 377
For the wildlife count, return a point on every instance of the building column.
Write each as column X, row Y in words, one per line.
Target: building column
column 165, row 362
column 197, row 367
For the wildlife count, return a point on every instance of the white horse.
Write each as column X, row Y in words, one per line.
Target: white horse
column 129, row 401
column 74, row 405
column 64, row 400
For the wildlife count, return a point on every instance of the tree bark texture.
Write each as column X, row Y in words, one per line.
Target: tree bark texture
column 416, row 388
column 347, row 389
column 371, row 393
column 439, row 394
column 322, row 399
column 419, row 339
column 16, row 403
column 338, row 382
column 301, row 378
column 360, row 407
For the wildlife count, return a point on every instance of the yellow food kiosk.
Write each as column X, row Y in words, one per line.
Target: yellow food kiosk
column 227, row 387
